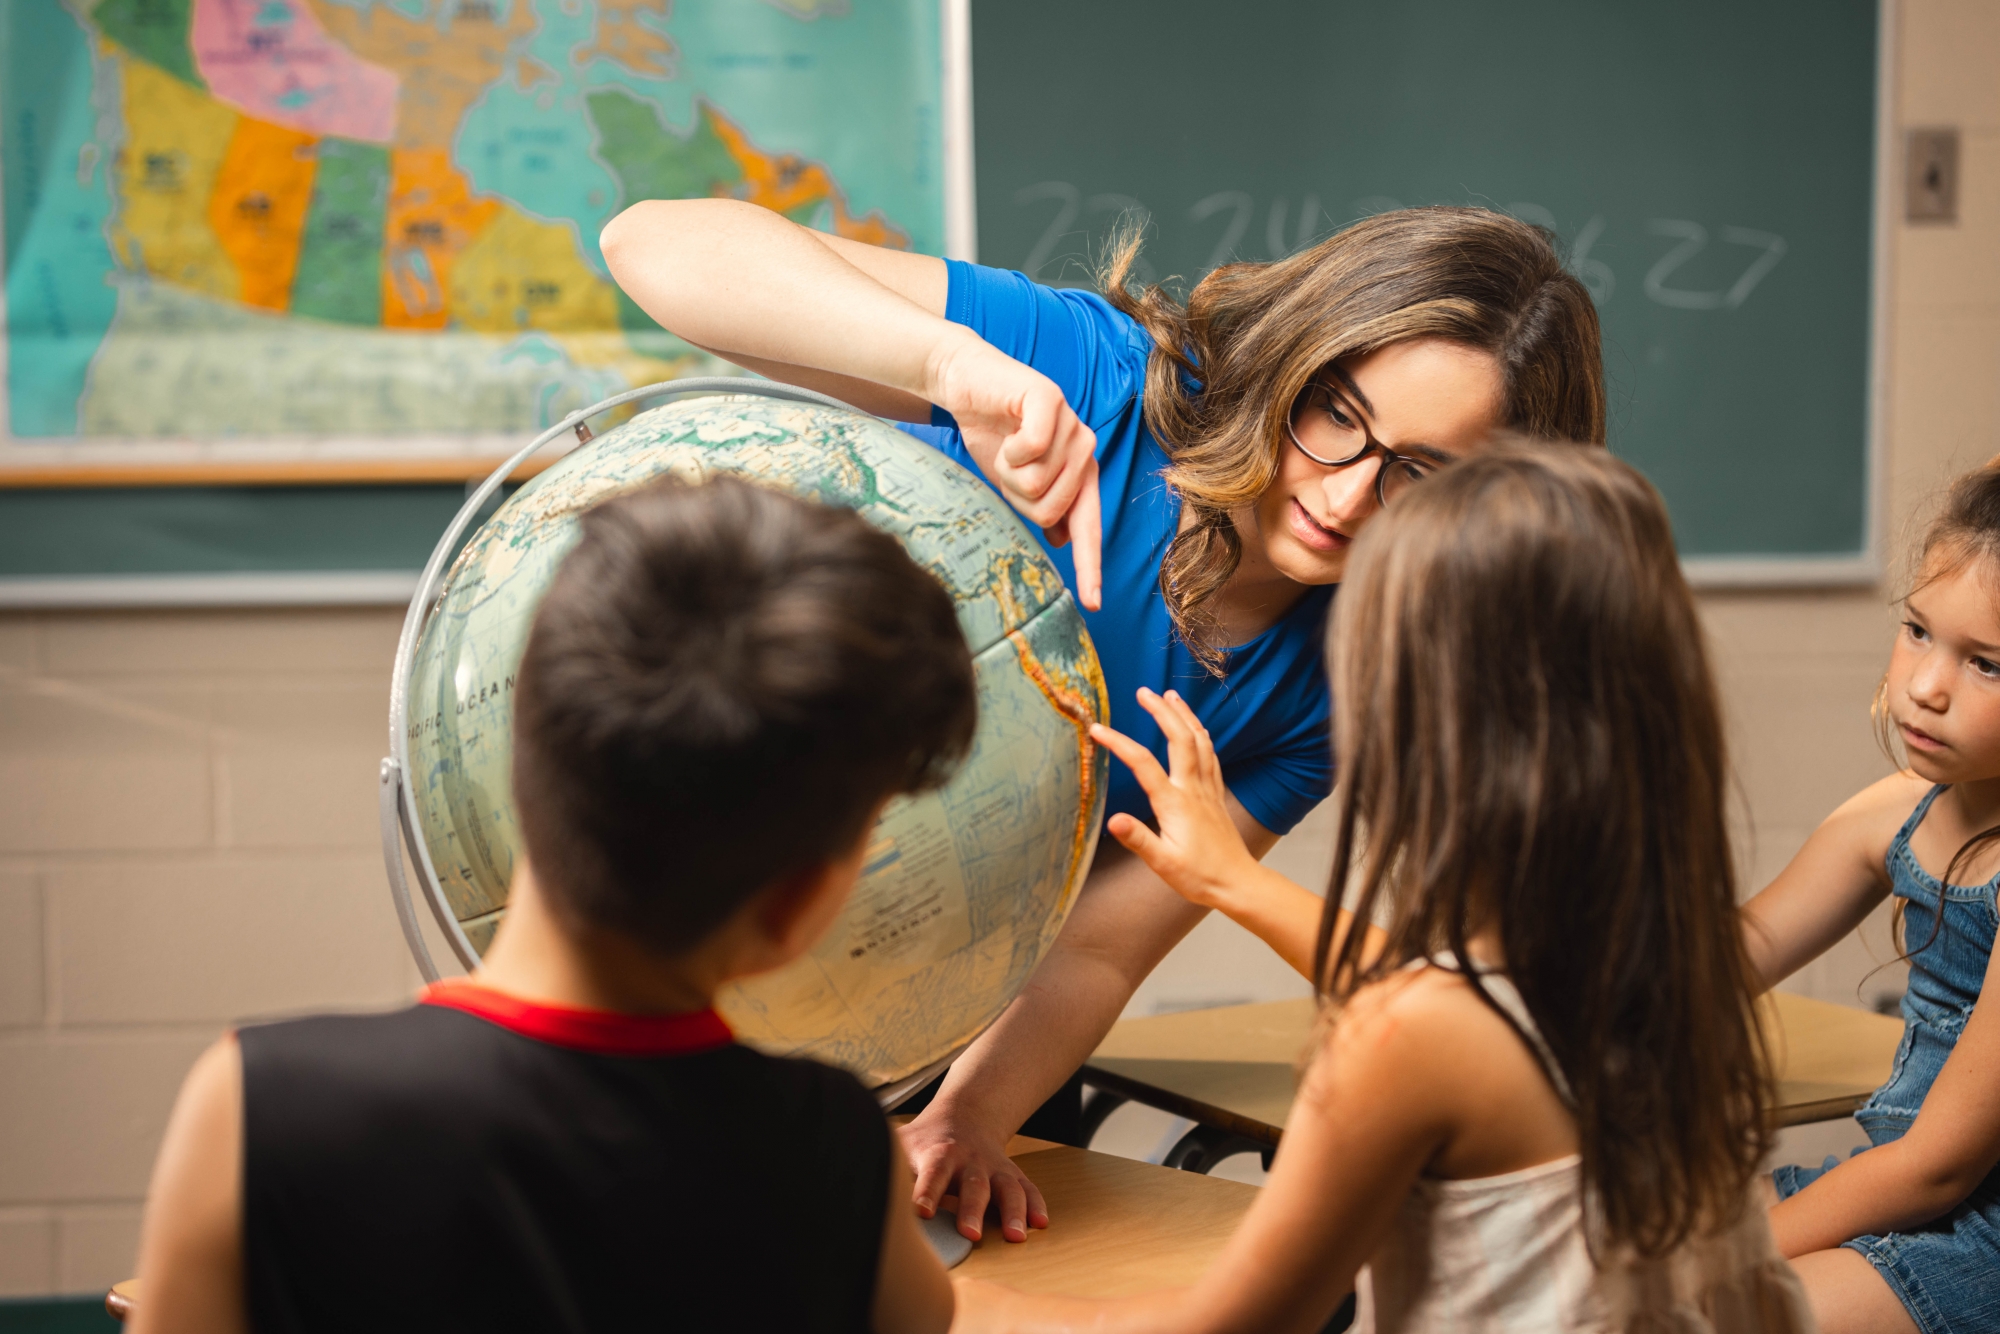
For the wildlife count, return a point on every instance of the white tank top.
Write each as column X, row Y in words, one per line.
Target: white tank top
column 1507, row 1253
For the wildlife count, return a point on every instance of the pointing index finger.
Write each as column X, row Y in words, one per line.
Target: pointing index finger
column 1086, row 533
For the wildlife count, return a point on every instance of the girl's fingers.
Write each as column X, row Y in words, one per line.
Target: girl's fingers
column 1204, row 744
column 1181, row 752
column 1137, row 758
column 1140, row 841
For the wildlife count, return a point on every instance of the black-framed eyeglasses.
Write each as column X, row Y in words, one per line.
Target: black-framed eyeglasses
column 1350, row 442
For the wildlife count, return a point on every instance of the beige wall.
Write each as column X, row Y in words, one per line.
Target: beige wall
column 186, row 838
column 187, row 820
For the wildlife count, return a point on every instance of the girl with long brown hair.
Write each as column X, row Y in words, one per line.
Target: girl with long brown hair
column 1906, row 1236
column 1199, row 472
column 1538, row 1104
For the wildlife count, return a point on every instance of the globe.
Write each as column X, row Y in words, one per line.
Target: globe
column 962, row 889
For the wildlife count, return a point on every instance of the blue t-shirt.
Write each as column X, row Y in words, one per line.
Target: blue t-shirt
column 1268, row 715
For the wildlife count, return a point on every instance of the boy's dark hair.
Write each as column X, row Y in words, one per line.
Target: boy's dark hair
column 721, row 684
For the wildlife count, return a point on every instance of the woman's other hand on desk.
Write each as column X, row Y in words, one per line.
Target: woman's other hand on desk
column 953, row 1159
column 1198, row 850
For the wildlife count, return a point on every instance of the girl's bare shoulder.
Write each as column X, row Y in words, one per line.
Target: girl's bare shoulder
column 1868, row 820
column 1462, row 1075
column 1431, row 1011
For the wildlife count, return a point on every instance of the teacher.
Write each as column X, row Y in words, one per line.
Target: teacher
column 1199, row 473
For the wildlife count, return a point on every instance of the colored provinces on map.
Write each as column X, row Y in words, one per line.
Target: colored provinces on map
column 296, row 209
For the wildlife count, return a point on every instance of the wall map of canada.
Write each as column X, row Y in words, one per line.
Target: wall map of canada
column 268, row 218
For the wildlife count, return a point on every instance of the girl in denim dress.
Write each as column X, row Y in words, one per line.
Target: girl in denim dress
column 1905, row 1235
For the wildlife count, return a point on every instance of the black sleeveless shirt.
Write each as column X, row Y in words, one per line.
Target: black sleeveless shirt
column 479, row 1163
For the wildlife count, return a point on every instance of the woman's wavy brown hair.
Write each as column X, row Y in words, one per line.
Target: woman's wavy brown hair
column 1226, row 367
column 1527, row 731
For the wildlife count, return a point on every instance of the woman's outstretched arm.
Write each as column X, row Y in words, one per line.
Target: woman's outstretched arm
column 746, row 284
column 866, row 325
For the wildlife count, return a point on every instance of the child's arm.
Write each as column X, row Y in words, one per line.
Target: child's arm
column 1198, row 850
column 1952, row 1146
column 1834, row 882
column 191, row 1249
column 912, row 1292
column 1373, row 1109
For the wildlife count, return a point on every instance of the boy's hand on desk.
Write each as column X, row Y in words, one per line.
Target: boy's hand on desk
column 1198, row 850
column 952, row 1161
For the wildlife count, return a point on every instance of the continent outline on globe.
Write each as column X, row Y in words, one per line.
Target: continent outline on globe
column 963, row 889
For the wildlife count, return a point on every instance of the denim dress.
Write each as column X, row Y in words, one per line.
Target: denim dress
column 1946, row 1272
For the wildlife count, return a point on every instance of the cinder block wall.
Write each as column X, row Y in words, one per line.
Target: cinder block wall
column 187, row 837
column 187, row 817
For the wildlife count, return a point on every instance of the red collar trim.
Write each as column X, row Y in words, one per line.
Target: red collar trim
column 605, row 1032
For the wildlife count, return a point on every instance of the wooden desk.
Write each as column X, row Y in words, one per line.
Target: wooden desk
column 1233, row 1068
column 1120, row 1227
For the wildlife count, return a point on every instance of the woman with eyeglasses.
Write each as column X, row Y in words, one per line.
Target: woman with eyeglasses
column 1198, row 471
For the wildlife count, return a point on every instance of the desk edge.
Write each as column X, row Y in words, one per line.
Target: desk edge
column 1824, row 1109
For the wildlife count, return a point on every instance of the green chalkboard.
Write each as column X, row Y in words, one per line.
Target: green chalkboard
column 1709, row 162
column 222, row 530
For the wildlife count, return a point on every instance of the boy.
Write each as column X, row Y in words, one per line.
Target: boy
column 721, row 690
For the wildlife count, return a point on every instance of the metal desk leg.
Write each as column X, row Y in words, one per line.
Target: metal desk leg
column 1099, row 1105
column 1203, row 1147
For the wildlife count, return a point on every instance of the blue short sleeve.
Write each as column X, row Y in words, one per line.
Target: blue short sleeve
column 1280, row 787
column 1095, row 353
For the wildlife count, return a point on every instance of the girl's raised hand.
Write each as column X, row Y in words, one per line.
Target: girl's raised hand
column 1031, row 445
column 1198, row 850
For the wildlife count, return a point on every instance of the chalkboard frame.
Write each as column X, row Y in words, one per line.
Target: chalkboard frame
column 1863, row 569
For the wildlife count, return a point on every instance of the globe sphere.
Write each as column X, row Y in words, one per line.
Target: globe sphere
column 963, row 889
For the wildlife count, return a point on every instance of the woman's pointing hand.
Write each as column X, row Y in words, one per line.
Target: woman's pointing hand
column 1030, row 444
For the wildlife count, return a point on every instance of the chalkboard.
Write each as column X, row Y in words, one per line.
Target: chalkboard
column 1709, row 166
column 283, row 544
